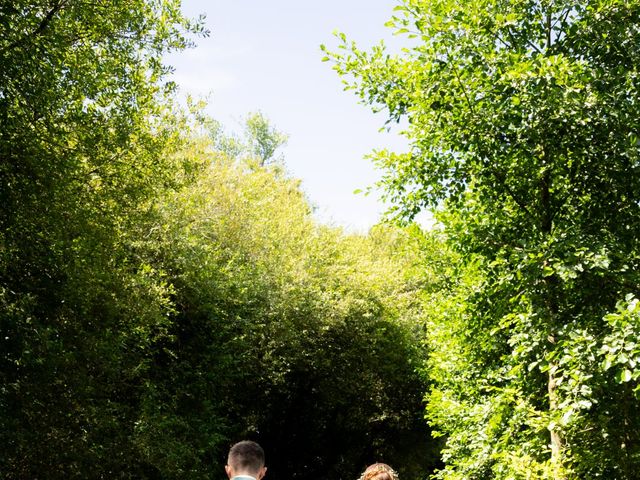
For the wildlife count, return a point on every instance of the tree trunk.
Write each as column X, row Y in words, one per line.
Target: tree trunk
column 557, row 442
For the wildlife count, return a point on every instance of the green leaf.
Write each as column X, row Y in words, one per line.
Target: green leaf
column 624, row 376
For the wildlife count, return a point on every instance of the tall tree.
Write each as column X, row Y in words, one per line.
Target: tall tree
column 523, row 122
column 83, row 147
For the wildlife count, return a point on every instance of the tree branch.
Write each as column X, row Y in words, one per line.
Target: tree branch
column 57, row 6
column 496, row 174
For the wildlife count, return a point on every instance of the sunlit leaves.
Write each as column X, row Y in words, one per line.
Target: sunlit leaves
column 521, row 117
column 86, row 142
column 307, row 322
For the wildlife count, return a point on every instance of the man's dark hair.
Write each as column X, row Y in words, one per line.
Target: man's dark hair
column 246, row 456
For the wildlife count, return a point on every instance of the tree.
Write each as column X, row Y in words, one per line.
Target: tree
column 85, row 143
column 284, row 331
column 263, row 139
column 523, row 122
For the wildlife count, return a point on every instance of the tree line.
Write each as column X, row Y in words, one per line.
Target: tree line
column 164, row 288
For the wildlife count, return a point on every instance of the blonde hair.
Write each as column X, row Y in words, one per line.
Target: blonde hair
column 379, row 471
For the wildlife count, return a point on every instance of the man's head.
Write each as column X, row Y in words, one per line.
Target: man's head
column 246, row 458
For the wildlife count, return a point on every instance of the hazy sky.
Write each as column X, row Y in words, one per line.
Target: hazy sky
column 265, row 55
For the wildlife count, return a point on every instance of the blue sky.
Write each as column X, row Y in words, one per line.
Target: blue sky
column 266, row 56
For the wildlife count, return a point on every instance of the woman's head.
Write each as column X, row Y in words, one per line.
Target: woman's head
column 379, row 471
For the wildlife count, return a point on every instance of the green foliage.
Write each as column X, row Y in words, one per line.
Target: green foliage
column 286, row 331
column 264, row 140
column 522, row 118
column 84, row 144
column 164, row 289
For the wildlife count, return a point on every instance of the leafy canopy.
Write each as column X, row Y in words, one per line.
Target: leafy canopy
column 522, row 118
